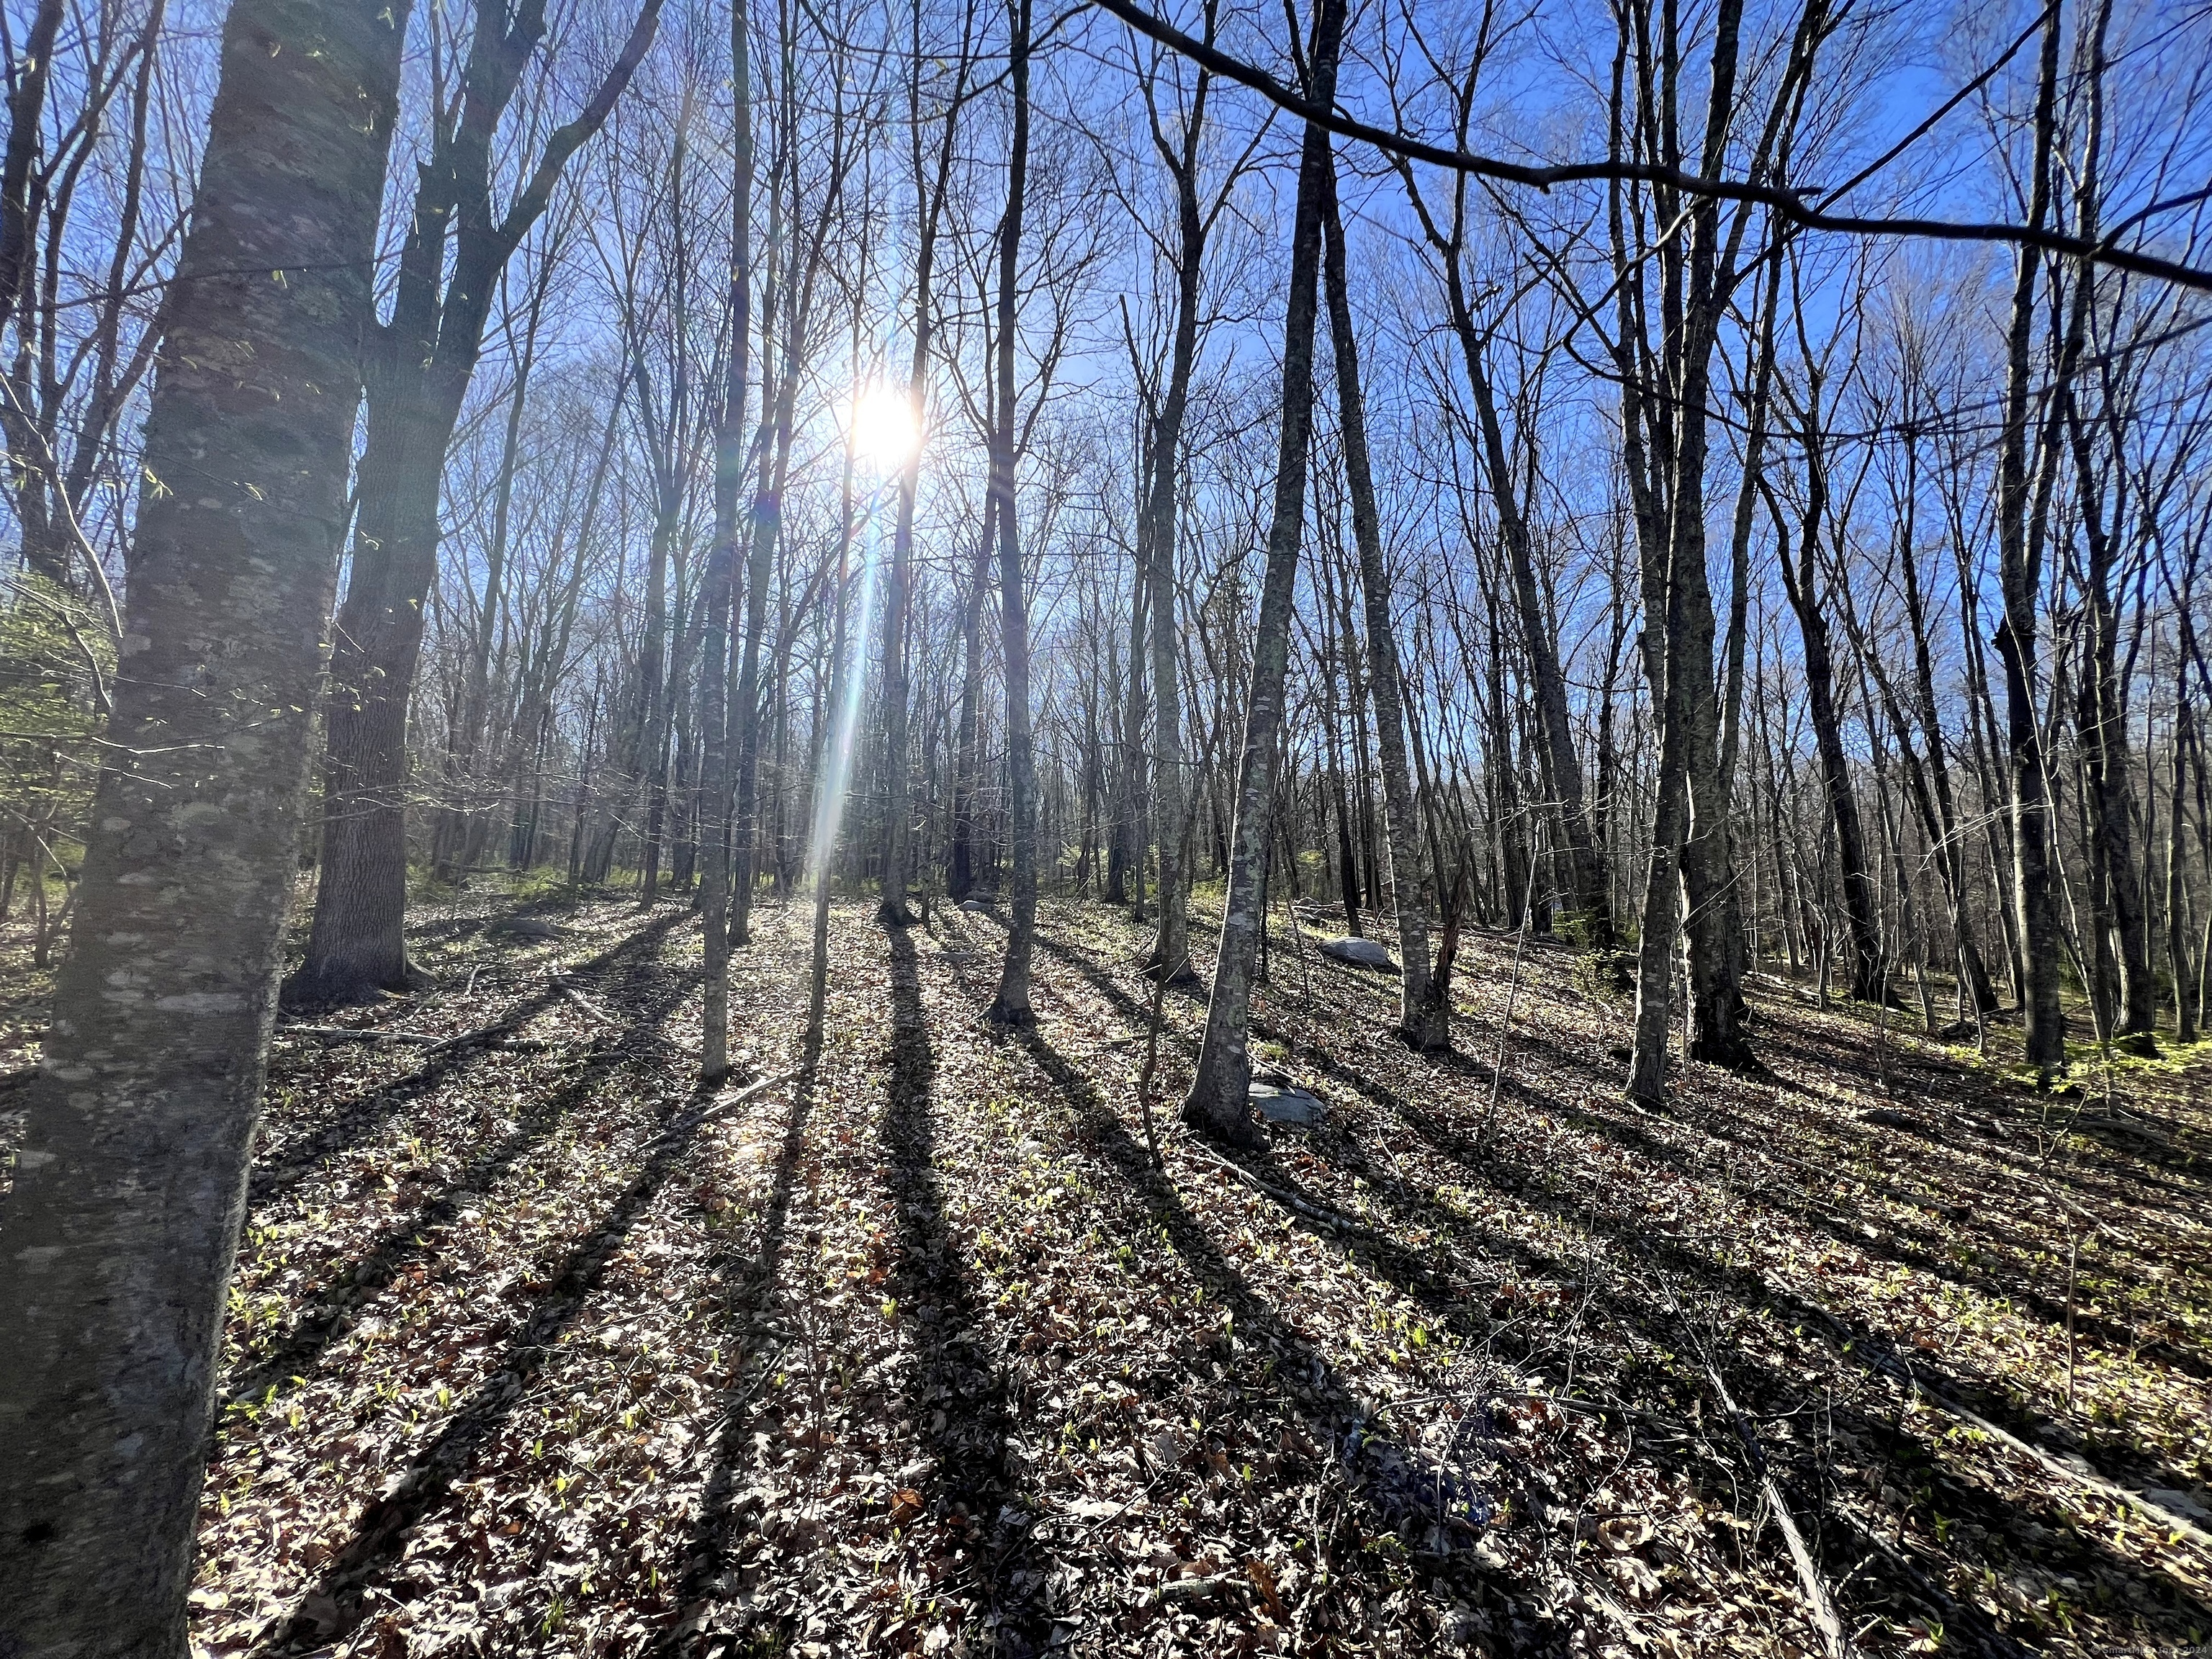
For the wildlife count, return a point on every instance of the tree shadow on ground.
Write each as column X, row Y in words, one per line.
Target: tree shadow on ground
column 752, row 1311
column 349, row 1120
column 346, row 1583
column 954, row 1391
column 1399, row 1488
column 322, row 1314
column 1656, row 1319
column 1653, row 1318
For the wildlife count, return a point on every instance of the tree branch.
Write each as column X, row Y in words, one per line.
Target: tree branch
column 1794, row 206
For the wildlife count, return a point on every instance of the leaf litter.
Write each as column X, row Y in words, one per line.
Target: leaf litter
column 533, row 1349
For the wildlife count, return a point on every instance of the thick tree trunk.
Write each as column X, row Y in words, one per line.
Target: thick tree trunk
column 418, row 374
column 356, row 947
column 130, row 1184
column 1220, row 1098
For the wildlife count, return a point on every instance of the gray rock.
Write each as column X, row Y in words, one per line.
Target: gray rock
column 1292, row 1106
column 528, row 927
column 2180, row 1503
column 1360, row 953
column 976, row 907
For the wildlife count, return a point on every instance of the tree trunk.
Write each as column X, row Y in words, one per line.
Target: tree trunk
column 1173, row 802
column 1219, row 1097
column 719, row 579
column 1012, row 1004
column 1424, row 1011
column 2100, row 718
column 898, row 856
column 130, row 1184
column 418, row 373
column 2020, row 508
column 1801, row 583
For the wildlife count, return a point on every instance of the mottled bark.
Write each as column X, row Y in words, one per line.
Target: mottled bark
column 130, row 1185
column 1220, row 1098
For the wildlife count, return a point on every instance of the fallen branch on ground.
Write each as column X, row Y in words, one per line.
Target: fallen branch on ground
column 1899, row 1371
column 1313, row 1213
column 1821, row 1603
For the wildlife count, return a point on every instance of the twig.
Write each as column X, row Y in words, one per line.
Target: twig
column 753, row 1090
column 1867, row 1355
column 574, row 996
column 356, row 1034
column 429, row 1044
column 1313, row 1213
column 1145, row 1079
column 1512, row 996
column 1808, row 1574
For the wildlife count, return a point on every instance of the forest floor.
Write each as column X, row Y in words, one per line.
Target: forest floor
column 535, row 1348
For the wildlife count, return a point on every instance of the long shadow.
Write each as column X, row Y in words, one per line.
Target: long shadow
column 1428, row 1506
column 1846, row 1335
column 955, row 1393
column 321, row 1321
column 356, row 1119
column 1491, row 1168
column 1736, row 1287
column 1663, row 1329
column 427, row 1481
column 1490, row 1165
column 724, row 1509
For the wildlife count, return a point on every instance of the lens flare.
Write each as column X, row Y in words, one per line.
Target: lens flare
column 836, row 776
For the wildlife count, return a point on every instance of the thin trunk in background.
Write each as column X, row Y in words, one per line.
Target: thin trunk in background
column 1424, row 1009
column 1012, row 1004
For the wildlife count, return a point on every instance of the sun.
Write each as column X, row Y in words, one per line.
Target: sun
column 883, row 428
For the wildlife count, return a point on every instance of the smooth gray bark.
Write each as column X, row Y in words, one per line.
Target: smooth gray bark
column 1218, row 1098
column 129, row 1188
column 1424, row 1008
